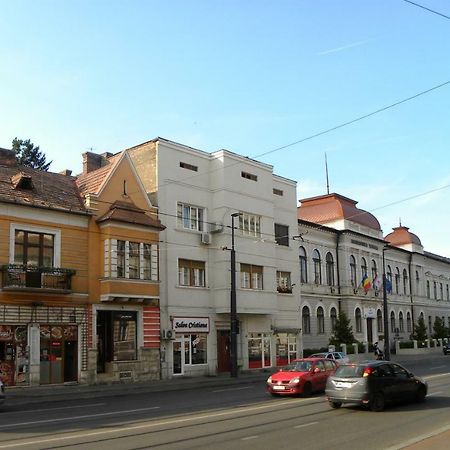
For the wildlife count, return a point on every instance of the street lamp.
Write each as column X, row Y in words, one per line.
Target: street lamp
column 233, row 312
column 387, row 347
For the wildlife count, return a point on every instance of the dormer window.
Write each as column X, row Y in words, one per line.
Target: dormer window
column 22, row 181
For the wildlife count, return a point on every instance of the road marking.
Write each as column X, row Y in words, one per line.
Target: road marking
column 54, row 409
column 88, row 416
column 249, row 437
column 306, row 424
column 437, row 367
column 420, row 438
column 233, row 389
column 131, row 428
column 435, row 393
column 429, row 377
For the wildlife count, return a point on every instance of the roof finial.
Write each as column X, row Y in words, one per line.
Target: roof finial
column 400, row 221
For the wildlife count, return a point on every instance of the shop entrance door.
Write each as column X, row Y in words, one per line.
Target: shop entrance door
column 178, row 357
column 70, row 361
column 223, row 351
column 369, row 331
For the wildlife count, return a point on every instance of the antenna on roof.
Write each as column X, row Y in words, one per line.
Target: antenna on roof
column 326, row 172
column 400, row 221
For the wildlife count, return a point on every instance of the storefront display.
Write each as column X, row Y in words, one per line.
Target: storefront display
column 13, row 354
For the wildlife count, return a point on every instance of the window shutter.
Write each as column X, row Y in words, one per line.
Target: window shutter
column 154, row 262
column 106, row 254
column 127, row 259
column 114, row 258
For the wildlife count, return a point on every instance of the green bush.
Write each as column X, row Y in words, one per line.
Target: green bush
column 350, row 349
column 406, row 344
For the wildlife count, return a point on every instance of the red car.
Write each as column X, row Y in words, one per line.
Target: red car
column 302, row 376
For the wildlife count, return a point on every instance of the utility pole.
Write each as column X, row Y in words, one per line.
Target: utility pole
column 387, row 347
column 233, row 312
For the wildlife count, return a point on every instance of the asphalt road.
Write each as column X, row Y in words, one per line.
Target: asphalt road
column 242, row 417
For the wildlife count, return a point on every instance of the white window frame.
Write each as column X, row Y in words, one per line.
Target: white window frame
column 194, row 220
column 250, row 224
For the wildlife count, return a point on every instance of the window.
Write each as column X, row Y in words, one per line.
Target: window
column 282, row 234
column 333, row 318
column 134, row 260
column 448, row 294
column 358, row 321
column 353, row 271
column 392, row 322
column 34, row 249
column 430, row 328
column 278, row 192
column 399, row 372
column 405, row 282
column 428, row 289
column 306, row 320
column 317, row 268
column 389, row 275
column 435, row 289
column 303, row 266
column 188, row 166
column 191, row 273
column 374, row 269
column 251, row 276
column 379, row 321
column 286, row 348
column 259, row 350
column 250, row 224
column 363, row 268
column 330, row 269
column 320, row 320
column 190, row 217
column 249, row 176
column 284, row 282
column 408, row 322
column 400, row 322
column 120, row 259
column 147, row 262
column 195, row 349
column 417, row 282
column 441, row 289
column 397, row 280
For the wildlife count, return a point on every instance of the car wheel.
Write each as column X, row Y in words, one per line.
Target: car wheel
column 421, row 393
column 377, row 402
column 307, row 389
column 335, row 405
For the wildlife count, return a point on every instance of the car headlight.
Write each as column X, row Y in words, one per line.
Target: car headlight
column 295, row 380
column 269, row 380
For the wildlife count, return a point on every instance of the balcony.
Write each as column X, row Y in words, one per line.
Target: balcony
column 31, row 278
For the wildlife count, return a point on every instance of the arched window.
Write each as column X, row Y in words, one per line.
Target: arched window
column 389, row 274
column 421, row 316
column 306, row 320
column 400, row 322
column 417, row 282
column 428, row 289
column 379, row 321
column 397, row 280
column 405, row 282
column 358, row 321
column 317, row 267
column 435, row 289
column 353, row 271
column 374, row 270
column 363, row 268
column 320, row 320
column 330, row 269
column 441, row 289
column 392, row 322
column 408, row 322
column 333, row 318
column 303, row 266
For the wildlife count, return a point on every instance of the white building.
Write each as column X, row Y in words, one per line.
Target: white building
column 196, row 194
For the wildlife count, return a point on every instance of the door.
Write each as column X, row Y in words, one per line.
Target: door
column 70, row 361
column 223, row 351
column 369, row 331
column 404, row 386
column 178, row 356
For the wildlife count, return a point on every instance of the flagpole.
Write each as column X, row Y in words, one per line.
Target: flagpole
column 387, row 347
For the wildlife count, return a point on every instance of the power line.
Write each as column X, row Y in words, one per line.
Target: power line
column 427, row 9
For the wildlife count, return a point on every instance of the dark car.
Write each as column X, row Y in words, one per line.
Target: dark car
column 2, row 392
column 446, row 348
column 302, row 376
column 373, row 384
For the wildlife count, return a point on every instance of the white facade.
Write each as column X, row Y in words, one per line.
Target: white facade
column 196, row 193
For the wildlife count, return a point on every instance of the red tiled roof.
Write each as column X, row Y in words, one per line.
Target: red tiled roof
column 401, row 235
column 332, row 207
column 46, row 189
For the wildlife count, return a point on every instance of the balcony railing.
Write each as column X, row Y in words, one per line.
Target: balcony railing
column 16, row 276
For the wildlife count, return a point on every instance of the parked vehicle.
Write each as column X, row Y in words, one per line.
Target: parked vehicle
column 373, row 384
column 2, row 392
column 446, row 348
column 339, row 357
column 303, row 376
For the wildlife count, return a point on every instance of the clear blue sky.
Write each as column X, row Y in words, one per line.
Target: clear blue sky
column 249, row 76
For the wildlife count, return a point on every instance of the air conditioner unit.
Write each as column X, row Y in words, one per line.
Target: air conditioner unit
column 167, row 334
column 205, row 238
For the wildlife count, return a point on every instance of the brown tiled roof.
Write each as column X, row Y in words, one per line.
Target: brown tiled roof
column 401, row 235
column 129, row 213
column 332, row 207
column 48, row 190
column 91, row 183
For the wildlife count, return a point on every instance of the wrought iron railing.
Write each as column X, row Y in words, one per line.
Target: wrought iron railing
column 16, row 276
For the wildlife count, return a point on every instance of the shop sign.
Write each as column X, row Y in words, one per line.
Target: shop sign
column 370, row 313
column 191, row 324
column 6, row 333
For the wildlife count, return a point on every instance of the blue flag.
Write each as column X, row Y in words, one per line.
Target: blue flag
column 388, row 286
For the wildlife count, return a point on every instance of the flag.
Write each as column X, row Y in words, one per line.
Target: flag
column 377, row 282
column 366, row 284
column 388, row 286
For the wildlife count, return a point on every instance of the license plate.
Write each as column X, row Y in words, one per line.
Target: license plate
column 342, row 384
column 278, row 388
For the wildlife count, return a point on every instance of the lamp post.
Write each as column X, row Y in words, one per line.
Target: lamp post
column 233, row 312
column 387, row 347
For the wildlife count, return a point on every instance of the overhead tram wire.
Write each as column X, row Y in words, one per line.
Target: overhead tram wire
column 427, row 9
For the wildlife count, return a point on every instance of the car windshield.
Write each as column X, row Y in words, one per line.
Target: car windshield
column 349, row 371
column 300, row 366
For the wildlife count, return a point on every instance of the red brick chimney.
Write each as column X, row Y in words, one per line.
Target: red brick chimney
column 7, row 158
column 91, row 162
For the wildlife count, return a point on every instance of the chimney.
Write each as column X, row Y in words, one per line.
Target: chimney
column 91, row 162
column 7, row 158
column 66, row 172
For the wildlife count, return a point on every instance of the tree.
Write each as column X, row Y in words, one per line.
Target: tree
column 342, row 331
column 420, row 330
column 29, row 155
column 439, row 328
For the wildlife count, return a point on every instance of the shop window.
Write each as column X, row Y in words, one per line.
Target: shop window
column 286, row 348
column 195, row 349
column 258, row 350
column 191, row 273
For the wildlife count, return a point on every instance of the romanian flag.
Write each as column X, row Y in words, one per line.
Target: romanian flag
column 366, row 284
